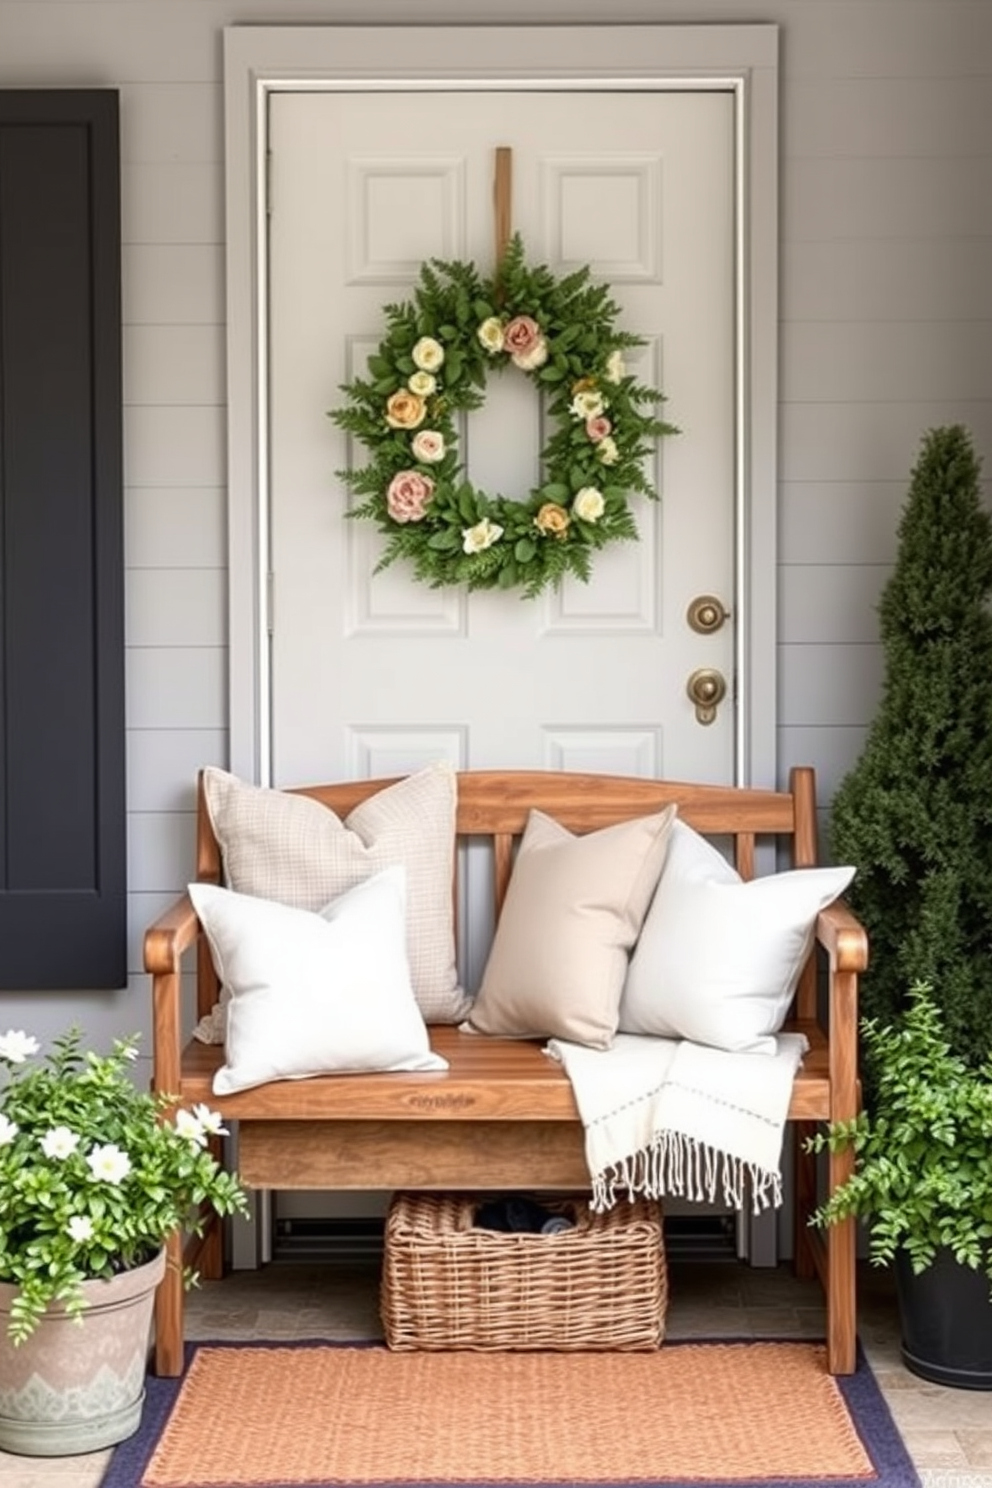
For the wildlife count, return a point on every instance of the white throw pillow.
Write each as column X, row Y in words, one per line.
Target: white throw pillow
column 718, row 959
column 291, row 849
column 313, row 994
column 573, row 907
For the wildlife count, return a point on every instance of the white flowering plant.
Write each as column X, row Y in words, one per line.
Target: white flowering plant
column 431, row 370
column 95, row 1173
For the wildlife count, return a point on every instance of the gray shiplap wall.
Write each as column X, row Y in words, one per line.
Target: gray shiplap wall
column 886, row 329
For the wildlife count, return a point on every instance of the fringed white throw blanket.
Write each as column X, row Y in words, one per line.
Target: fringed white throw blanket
column 663, row 1116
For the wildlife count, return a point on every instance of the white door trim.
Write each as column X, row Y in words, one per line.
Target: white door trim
column 261, row 59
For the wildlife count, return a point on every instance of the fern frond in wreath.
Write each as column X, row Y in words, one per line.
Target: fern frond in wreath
column 433, row 364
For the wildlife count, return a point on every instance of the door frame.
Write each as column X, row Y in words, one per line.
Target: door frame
column 743, row 59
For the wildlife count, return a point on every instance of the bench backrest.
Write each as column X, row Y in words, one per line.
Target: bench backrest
column 493, row 806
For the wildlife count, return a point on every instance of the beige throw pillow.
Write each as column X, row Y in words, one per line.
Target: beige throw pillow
column 573, row 909
column 291, row 849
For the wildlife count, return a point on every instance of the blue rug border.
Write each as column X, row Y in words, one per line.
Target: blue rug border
column 861, row 1391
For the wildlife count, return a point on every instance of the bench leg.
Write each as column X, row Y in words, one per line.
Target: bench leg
column 841, row 1282
column 210, row 1255
column 169, row 1304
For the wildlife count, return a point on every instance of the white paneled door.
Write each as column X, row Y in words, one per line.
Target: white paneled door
column 375, row 674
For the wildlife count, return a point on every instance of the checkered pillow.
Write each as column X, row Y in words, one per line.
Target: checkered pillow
column 291, row 849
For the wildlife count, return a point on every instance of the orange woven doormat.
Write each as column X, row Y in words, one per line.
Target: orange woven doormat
column 346, row 1416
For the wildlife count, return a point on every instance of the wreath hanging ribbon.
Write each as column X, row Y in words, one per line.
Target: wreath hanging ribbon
column 432, row 366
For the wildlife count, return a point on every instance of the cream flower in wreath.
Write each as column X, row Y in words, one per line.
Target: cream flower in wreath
column 490, row 334
column 589, row 504
column 615, row 369
column 428, row 446
column 480, row 537
column 428, row 354
column 587, row 404
column 422, row 383
column 428, row 375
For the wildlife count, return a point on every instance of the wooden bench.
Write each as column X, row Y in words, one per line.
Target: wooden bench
column 503, row 1115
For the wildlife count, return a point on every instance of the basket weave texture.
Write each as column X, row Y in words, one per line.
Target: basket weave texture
column 449, row 1284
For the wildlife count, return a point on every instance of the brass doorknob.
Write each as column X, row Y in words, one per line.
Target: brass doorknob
column 706, row 614
column 707, row 688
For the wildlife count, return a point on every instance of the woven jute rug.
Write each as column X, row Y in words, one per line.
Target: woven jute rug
column 328, row 1415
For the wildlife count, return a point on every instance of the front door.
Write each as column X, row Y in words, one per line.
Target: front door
column 376, row 674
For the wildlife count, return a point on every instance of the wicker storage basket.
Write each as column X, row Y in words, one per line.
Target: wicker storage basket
column 448, row 1284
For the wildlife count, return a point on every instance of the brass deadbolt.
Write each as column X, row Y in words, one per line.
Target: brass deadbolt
column 706, row 614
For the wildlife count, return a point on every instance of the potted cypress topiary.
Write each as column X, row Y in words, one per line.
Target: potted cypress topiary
column 923, row 1182
column 914, row 815
column 915, row 812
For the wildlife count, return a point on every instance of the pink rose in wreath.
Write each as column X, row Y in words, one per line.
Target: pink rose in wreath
column 408, row 495
column 523, row 340
column 598, row 428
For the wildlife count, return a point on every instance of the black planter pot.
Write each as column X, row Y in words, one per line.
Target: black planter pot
column 946, row 1317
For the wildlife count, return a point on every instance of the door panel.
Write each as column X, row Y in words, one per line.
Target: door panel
column 371, row 673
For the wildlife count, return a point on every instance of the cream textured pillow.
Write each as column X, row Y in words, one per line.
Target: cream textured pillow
column 314, row 994
column 718, row 959
column 572, row 911
column 292, row 849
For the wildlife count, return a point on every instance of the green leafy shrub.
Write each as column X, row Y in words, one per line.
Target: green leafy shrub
column 923, row 1154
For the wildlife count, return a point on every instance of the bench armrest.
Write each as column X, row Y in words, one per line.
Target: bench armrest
column 845, row 941
column 166, row 940
column 843, row 937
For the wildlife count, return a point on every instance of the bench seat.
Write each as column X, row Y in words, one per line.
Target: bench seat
column 496, row 1078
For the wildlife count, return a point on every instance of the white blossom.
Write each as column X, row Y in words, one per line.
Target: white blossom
column 490, row 333
column 589, row 504
column 210, row 1121
column 428, row 446
column 476, row 539
column 587, row 404
column 615, row 368
column 80, row 1228
column 190, row 1127
column 16, row 1045
column 535, row 356
column 109, row 1164
column 59, row 1142
column 422, row 383
column 428, row 354
column 8, row 1130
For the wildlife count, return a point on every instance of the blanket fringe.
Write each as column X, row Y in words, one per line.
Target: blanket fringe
column 677, row 1164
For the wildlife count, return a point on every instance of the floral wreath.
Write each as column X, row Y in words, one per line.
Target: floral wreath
column 432, row 366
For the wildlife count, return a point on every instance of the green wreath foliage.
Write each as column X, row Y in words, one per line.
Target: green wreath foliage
column 432, row 367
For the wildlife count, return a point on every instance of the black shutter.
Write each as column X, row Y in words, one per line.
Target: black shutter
column 62, row 791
